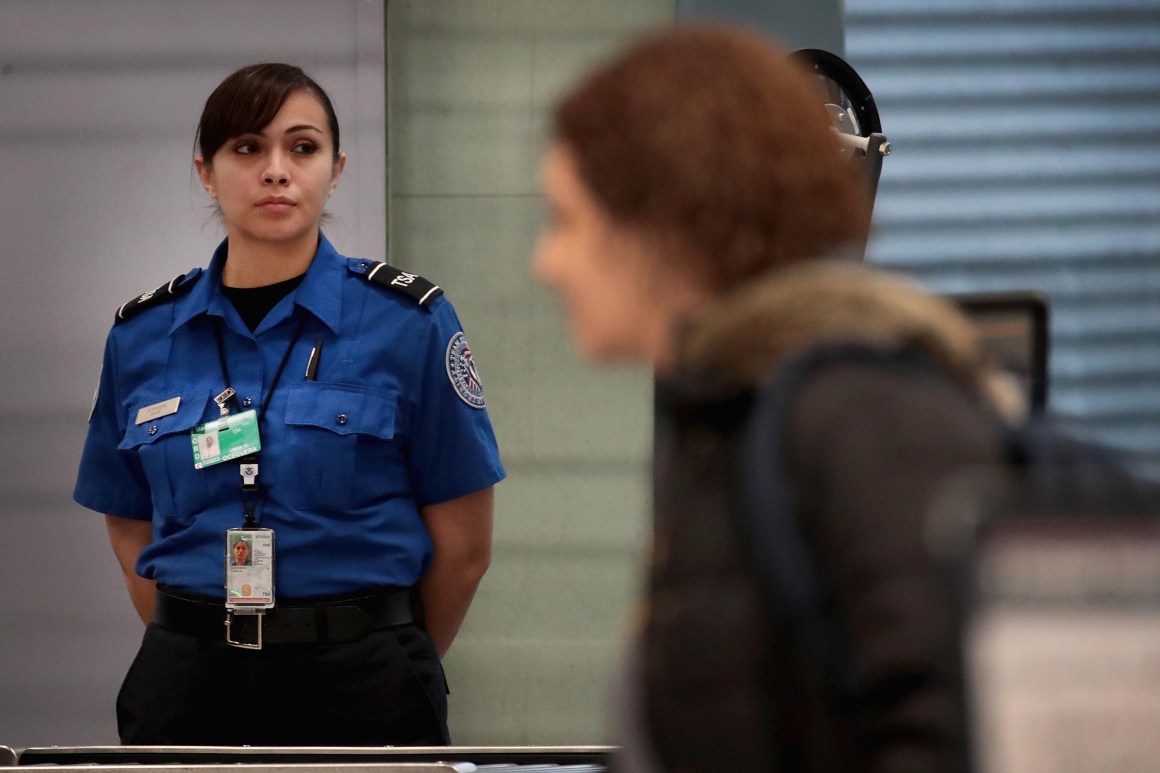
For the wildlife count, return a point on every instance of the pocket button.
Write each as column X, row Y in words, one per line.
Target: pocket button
column 341, row 419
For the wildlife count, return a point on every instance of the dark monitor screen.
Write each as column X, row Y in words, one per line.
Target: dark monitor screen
column 1012, row 329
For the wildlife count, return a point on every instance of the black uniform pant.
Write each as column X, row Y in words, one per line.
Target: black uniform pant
column 384, row 689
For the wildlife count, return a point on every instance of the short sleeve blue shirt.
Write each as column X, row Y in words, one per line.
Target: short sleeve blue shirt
column 347, row 460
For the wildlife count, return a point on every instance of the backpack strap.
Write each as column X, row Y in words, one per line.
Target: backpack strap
column 1049, row 458
column 787, row 571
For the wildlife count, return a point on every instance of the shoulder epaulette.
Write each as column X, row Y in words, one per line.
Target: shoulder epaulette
column 422, row 290
column 177, row 286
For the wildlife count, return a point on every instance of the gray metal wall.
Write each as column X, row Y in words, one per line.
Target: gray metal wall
column 796, row 23
column 98, row 106
column 470, row 86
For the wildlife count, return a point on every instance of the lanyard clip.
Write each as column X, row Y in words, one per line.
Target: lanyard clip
column 249, row 471
column 223, row 400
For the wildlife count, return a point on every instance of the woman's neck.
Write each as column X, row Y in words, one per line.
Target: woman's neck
column 664, row 334
column 256, row 263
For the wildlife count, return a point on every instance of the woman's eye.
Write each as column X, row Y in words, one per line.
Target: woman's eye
column 305, row 147
column 246, row 148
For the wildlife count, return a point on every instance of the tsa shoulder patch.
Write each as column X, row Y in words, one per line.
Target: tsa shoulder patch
column 422, row 290
column 177, row 286
column 463, row 373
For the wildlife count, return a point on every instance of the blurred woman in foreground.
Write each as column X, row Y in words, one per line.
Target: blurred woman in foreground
column 700, row 208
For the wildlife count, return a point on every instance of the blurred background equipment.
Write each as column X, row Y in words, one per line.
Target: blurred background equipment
column 852, row 111
column 1012, row 330
column 1012, row 326
column 1057, row 573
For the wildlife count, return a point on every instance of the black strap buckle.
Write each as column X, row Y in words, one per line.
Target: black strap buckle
column 232, row 618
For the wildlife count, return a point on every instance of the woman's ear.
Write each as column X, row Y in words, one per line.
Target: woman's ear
column 205, row 174
column 336, row 172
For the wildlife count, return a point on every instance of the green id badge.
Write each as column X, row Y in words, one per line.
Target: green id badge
column 226, row 438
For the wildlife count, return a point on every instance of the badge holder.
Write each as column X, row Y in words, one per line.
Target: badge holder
column 249, row 570
column 233, row 436
column 249, row 550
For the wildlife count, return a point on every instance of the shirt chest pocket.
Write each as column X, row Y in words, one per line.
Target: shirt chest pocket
column 342, row 450
column 165, row 449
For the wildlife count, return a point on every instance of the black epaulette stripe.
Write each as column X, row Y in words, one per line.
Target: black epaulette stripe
column 165, row 292
column 422, row 290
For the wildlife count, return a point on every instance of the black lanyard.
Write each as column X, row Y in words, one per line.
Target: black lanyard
column 250, row 490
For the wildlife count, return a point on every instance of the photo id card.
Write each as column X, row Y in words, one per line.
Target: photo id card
column 229, row 437
column 249, row 569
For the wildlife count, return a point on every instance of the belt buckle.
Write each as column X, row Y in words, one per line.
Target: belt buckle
column 257, row 645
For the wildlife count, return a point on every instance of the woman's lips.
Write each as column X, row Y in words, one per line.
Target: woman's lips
column 276, row 205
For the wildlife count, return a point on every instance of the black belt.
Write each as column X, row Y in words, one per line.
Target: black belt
column 302, row 621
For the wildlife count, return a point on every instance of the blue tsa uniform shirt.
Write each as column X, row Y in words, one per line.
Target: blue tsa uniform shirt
column 393, row 419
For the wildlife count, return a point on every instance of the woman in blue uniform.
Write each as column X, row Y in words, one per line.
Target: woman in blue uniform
column 329, row 410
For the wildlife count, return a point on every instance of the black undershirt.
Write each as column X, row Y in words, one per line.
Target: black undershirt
column 254, row 303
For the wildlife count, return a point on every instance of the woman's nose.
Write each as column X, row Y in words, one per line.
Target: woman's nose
column 275, row 171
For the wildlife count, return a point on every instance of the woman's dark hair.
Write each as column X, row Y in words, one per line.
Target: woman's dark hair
column 716, row 144
column 246, row 102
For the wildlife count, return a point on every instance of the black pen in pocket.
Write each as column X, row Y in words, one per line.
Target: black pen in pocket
column 312, row 363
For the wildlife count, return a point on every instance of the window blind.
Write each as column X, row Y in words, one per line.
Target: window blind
column 1026, row 139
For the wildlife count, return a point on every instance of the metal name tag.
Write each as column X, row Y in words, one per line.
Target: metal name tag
column 155, row 411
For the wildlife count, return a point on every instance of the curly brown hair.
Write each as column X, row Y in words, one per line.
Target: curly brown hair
column 715, row 143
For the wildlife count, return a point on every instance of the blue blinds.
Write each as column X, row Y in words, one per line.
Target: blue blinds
column 1027, row 156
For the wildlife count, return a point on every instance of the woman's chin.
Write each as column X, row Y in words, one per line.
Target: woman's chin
column 600, row 351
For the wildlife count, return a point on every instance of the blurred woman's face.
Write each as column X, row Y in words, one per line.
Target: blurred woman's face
column 600, row 270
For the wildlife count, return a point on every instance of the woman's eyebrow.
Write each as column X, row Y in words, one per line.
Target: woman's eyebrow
column 298, row 127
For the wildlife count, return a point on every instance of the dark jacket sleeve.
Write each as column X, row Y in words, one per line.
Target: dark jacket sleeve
column 869, row 448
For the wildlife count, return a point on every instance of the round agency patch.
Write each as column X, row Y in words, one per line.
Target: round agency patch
column 462, row 372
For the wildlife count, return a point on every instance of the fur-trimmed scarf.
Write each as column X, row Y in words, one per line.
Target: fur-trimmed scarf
column 743, row 336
